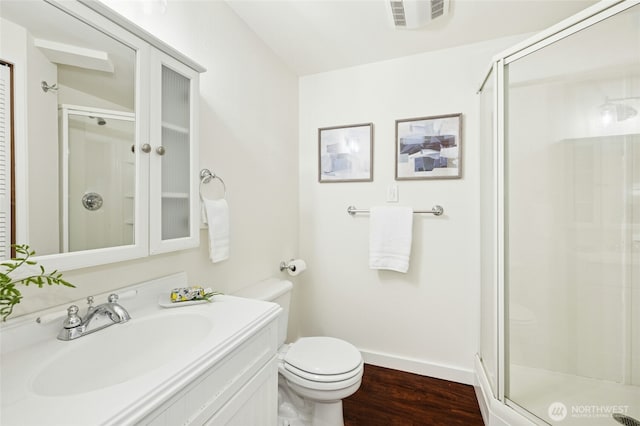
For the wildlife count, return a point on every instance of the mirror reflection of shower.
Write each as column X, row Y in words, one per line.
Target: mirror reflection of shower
column 101, row 121
column 96, row 161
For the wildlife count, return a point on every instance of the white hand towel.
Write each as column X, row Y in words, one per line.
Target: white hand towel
column 218, row 221
column 390, row 233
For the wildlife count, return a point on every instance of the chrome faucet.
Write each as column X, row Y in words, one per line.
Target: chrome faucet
column 97, row 318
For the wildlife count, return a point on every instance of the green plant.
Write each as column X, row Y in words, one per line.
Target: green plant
column 9, row 294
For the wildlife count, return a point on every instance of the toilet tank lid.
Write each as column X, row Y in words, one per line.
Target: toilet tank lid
column 268, row 290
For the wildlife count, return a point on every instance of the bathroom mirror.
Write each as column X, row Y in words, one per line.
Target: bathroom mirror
column 75, row 130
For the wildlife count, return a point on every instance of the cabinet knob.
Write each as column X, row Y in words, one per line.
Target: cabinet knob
column 160, row 150
column 146, row 148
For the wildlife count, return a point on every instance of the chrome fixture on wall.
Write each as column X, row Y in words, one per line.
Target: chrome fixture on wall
column 101, row 121
column 435, row 210
column 92, row 201
column 207, row 176
column 616, row 109
column 293, row 266
column 46, row 86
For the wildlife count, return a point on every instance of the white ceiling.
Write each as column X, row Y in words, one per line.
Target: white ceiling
column 314, row 36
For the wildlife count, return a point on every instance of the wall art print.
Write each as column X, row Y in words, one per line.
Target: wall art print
column 345, row 153
column 429, row 147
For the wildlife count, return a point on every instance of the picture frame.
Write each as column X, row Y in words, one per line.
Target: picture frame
column 345, row 153
column 429, row 147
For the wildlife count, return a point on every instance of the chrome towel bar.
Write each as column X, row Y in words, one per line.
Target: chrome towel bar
column 435, row 210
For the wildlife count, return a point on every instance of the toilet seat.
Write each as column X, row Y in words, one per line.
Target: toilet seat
column 322, row 378
column 322, row 359
column 318, row 388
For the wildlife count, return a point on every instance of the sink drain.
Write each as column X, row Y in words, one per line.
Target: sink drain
column 625, row 420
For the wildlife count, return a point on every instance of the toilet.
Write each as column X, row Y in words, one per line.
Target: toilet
column 315, row 373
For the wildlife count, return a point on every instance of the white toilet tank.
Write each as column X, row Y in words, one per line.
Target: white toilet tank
column 272, row 290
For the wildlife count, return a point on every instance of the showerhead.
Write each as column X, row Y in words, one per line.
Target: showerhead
column 101, row 121
column 617, row 110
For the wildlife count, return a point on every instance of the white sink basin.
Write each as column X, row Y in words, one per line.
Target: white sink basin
column 120, row 353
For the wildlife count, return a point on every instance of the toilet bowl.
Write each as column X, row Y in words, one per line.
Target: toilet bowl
column 315, row 373
column 322, row 371
column 323, row 368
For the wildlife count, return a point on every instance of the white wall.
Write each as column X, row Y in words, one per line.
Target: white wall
column 248, row 131
column 71, row 96
column 31, row 67
column 43, row 158
column 427, row 320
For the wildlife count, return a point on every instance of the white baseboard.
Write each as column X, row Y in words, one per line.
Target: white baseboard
column 424, row 368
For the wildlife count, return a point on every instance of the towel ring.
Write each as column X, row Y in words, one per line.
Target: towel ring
column 206, row 176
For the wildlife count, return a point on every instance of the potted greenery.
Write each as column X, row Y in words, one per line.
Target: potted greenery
column 9, row 293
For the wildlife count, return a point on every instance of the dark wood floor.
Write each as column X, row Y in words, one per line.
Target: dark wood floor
column 395, row 398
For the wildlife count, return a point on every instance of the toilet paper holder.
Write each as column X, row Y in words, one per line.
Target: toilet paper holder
column 292, row 266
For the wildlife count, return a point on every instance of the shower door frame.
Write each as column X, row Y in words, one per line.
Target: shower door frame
column 498, row 73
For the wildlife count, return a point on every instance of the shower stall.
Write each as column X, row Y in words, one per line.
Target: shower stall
column 560, row 203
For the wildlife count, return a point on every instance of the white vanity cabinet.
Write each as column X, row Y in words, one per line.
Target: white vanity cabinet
column 173, row 204
column 240, row 390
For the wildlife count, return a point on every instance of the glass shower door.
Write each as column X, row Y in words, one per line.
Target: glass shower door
column 572, row 221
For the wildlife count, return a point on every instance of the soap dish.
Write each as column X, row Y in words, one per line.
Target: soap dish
column 165, row 301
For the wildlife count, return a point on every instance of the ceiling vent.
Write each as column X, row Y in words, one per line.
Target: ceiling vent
column 412, row 14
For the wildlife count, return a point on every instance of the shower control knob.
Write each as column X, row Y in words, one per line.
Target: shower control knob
column 92, row 201
column 146, row 148
column 160, row 150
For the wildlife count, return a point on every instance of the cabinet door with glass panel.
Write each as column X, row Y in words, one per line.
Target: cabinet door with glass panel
column 174, row 214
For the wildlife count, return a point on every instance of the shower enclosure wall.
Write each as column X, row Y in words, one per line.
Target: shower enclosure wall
column 560, row 126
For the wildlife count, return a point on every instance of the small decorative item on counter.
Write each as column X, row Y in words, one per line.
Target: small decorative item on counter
column 189, row 294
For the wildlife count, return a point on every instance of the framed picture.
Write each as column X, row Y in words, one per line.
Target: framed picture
column 345, row 153
column 429, row 147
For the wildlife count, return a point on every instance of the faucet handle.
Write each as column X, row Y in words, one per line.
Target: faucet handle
column 73, row 320
column 90, row 308
column 113, row 298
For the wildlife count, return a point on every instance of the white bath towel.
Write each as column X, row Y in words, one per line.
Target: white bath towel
column 218, row 222
column 390, row 233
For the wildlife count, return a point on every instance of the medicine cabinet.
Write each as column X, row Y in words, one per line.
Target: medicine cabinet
column 105, row 120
